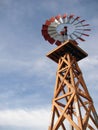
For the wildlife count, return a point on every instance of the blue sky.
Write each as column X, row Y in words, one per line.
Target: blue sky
column 27, row 76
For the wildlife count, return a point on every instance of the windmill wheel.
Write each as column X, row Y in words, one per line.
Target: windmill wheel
column 66, row 27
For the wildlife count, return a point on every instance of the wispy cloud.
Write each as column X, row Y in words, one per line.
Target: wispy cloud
column 89, row 69
column 35, row 119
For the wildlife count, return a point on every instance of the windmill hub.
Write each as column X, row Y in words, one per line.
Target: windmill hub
column 70, row 28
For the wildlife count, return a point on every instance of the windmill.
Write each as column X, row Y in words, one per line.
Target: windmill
column 72, row 105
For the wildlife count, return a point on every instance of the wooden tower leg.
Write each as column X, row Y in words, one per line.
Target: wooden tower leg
column 72, row 103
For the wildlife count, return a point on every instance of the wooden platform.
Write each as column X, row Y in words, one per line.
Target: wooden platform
column 67, row 47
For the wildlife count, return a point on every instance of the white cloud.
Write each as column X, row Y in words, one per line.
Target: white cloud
column 35, row 119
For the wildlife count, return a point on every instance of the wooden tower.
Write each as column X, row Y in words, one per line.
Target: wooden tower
column 72, row 105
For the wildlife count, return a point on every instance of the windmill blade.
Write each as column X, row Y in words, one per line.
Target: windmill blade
column 75, row 35
column 81, row 39
column 70, row 17
column 75, row 19
column 48, row 26
column 71, row 37
column 44, row 27
column 65, row 20
column 52, row 19
column 84, row 29
column 82, row 25
column 48, row 22
column 51, row 40
column 54, row 22
column 79, row 22
column 64, row 17
column 53, row 25
column 85, row 25
column 45, row 35
column 51, row 28
column 78, row 37
column 51, row 32
column 58, row 43
column 44, row 32
column 85, row 34
column 54, row 35
column 81, row 33
column 59, row 18
column 59, row 38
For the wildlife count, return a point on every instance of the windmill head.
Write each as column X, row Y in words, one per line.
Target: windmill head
column 61, row 28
